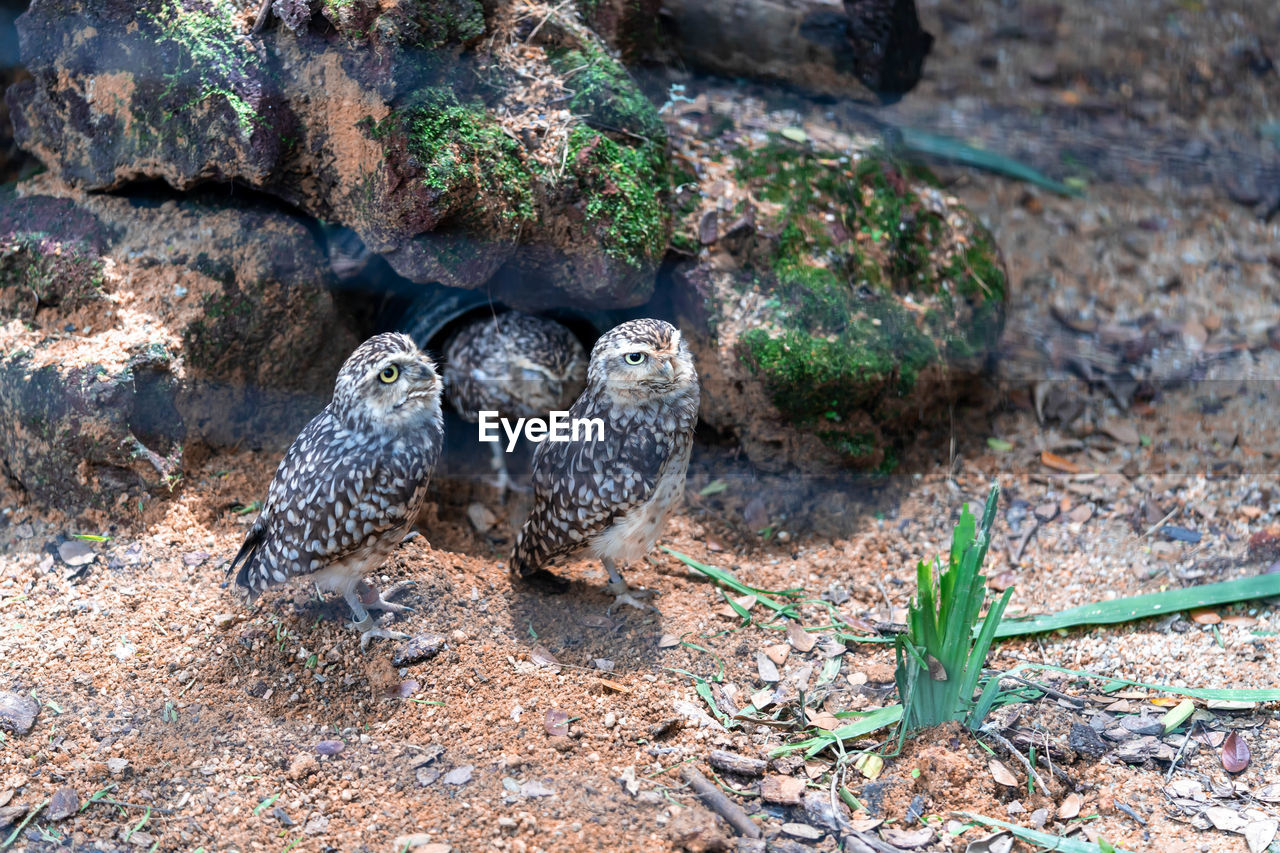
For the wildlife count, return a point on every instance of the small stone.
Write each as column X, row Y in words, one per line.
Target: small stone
column 119, row 768
column 223, row 621
column 17, row 712
column 419, row 648
column 302, row 766
column 458, row 635
column 802, row 830
column 785, row 790
column 610, row 720
column 420, row 842
column 459, row 775
column 330, row 747
column 778, row 653
column 768, row 669
column 481, row 517
column 76, row 552
column 316, row 826
column 142, row 840
column 63, row 804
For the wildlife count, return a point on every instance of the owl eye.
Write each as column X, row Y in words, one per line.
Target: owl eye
column 634, row 358
column 389, row 374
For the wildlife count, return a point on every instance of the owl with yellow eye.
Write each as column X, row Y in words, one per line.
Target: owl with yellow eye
column 352, row 482
column 608, row 497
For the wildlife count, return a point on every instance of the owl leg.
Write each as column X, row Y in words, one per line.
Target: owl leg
column 372, row 599
column 366, row 624
column 622, row 593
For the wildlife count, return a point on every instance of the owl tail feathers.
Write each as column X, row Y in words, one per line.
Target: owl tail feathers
column 244, row 557
column 526, row 563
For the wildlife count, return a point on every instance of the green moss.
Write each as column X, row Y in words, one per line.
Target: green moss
column 623, row 187
column 65, row 275
column 605, row 95
column 216, row 51
column 437, row 23
column 463, row 155
column 852, row 240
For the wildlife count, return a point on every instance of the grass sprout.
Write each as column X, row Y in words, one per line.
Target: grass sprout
column 939, row 660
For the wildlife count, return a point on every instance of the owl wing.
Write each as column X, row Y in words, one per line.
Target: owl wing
column 331, row 496
column 581, row 487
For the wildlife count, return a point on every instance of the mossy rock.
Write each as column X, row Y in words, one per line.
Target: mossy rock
column 862, row 304
column 394, row 120
column 131, row 329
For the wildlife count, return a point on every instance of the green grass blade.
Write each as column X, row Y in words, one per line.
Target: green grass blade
column 724, row 578
column 871, row 721
column 948, row 148
column 1046, row 840
column 1224, row 694
column 1143, row 606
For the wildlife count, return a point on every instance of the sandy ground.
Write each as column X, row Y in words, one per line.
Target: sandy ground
column 221, row 727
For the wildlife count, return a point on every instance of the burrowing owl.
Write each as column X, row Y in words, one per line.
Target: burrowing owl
column 610, row 497
column 353, row 480
column 516, row 364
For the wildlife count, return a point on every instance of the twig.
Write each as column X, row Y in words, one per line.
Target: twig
column 1127, row 809
column 1173, row 765
column 712, row 797
column 1158, row 524
column 264, row 15
column 1022, row 759
column 1021, row 547
column 122, row 804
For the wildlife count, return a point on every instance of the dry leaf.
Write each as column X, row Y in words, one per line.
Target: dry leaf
column 556, row 722
column 778, row 654
column 1235, row 753
column 908, row 838
column 1059, row 463
column 615, row 686
column 1123, row 432
column 1001, row 774
column 1205, row 616
column 1000, row 842
column 668, row 641
column 1228, row 820
column 1070, row 806
column 1259, row 834
column 937, row 671
column 800, row 639
column 824, row 720
column 1240, row 620
column 1268, row 793
column 542, row 657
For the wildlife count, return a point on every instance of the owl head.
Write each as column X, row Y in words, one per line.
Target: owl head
column 387, row 383
column 547, row 361
column 642, row 359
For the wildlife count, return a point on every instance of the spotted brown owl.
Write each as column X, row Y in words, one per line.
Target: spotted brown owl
column 353, row 481
column 516, row 364
column 610, row 497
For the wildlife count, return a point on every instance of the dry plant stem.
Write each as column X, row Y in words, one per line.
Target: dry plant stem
column 140, row 806
column 1022, row 759
column 715, row 800
column 1025, row 540
column 1173, row 765
column 1046, row 690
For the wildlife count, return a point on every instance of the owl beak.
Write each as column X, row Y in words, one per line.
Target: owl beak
column 667, row 370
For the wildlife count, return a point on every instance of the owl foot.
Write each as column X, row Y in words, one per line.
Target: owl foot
column 374, row 600
column 625, row 595
column 369, row 629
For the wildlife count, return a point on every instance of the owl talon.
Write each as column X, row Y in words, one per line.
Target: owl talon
column 374, row 600
column 622, row 594
column 378, row 631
